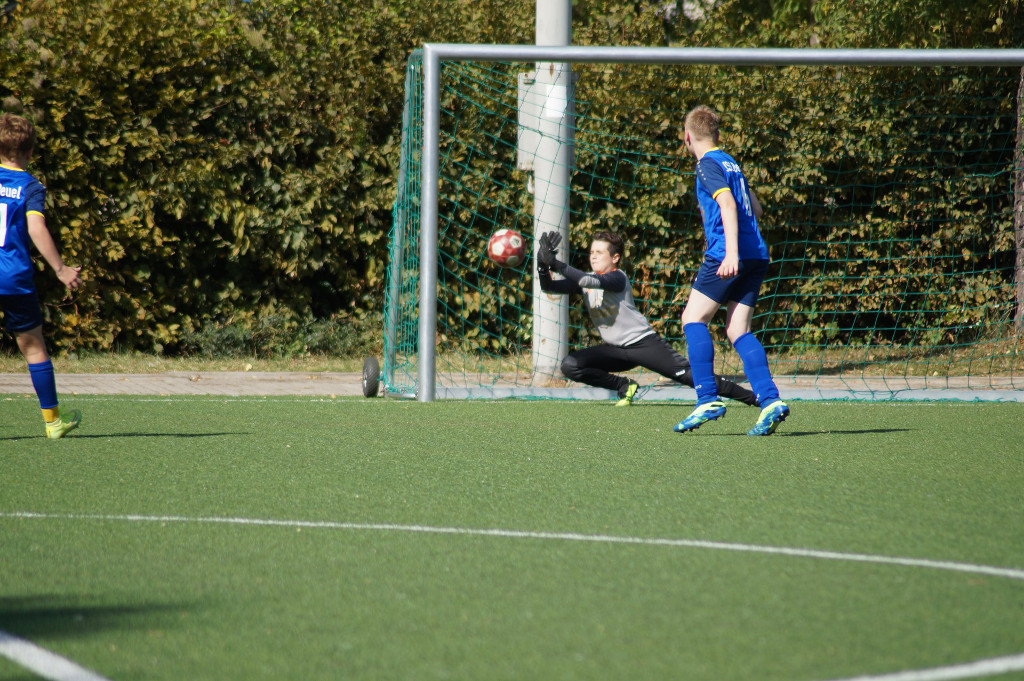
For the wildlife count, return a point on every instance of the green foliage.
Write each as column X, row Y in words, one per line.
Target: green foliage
column 276, row 336
column 946, row 240
column 866, row 24
column 211, row 160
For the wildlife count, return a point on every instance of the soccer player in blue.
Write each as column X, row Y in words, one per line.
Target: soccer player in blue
column 735, row 262
column 22, row 222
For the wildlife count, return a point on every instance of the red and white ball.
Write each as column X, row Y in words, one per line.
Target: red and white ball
column 507, row 248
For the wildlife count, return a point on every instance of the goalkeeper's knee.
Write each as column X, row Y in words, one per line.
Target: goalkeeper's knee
column 571, row 368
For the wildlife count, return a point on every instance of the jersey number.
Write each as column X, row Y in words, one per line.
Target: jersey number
column 746, row 198
column 3, row 224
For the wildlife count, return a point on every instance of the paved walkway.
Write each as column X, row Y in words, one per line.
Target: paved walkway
column 196, row 383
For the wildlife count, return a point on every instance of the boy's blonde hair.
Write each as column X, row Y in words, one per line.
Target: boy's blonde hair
column 17, row 136
column 702, row 122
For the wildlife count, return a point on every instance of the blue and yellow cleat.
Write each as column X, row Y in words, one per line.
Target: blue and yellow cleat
column 709, row 411
column 770, row 418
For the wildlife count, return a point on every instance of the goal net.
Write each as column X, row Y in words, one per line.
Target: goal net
column 889, row 210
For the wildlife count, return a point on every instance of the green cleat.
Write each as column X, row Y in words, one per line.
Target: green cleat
column 709, row 411
column 627, row 399
column 62, row 426
column 770, row 418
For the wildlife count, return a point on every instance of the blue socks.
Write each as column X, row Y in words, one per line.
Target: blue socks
column 701, row 351
column 755, row 366
column 45, row 384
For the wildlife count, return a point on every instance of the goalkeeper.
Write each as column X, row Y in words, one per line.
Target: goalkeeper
column 629, row 339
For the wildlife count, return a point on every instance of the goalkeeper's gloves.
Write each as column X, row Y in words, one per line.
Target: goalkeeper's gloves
column 547, row 250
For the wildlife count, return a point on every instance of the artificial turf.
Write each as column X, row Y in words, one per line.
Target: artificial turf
column 289, row 538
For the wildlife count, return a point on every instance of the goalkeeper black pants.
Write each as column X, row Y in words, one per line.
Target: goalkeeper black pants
column 598, row 365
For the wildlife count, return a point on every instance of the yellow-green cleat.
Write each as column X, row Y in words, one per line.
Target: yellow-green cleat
column 64, row 425
column 710, row 411
column 627, row 399
column 770, row 418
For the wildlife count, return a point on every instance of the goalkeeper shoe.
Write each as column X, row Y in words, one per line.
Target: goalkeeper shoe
column 770, row 418
column 627, row 399
column 62, row 426
column 709, row 411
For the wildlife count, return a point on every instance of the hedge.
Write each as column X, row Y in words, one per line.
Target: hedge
column 218, row 162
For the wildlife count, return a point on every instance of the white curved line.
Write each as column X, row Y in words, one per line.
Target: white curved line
column 42, row 662
column 978, row 668
column 1009, row 573
column 970, row 670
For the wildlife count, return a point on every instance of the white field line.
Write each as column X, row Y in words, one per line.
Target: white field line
column 979, row 668
column 42, row 662
column 970, row 670
column 1009, row 573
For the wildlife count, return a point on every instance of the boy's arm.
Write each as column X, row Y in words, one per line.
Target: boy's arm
column 755, row 204
column 730, row 266
column 48, row 249
column 577, row 280
column 549, row 285
column 614, row 281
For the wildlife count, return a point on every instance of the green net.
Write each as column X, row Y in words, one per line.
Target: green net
column 889, row 211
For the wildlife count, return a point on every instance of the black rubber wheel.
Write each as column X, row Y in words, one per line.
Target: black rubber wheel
column 371, row 377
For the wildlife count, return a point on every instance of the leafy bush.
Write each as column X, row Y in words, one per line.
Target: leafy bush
column 278, row 337
column 217, row 159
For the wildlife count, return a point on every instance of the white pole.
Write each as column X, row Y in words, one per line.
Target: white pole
column 427, row 351
column 552, row 167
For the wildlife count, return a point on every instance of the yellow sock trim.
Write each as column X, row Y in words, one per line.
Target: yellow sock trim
column 51, row 415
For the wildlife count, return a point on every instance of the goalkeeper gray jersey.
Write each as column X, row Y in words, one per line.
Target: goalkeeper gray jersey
column 609, row 300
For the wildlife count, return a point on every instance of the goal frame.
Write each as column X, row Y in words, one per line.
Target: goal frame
column 436, row 53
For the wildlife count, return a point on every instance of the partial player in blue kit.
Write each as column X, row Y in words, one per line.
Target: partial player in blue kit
column 629, row 339
column 22, row 224
column 735, row 262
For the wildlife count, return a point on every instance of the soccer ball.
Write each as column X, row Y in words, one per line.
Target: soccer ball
column 507, row 248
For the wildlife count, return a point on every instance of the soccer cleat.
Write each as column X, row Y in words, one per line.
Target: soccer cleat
column 770, row 418
column 61, row 427
column 627, row 399
column 709, row 411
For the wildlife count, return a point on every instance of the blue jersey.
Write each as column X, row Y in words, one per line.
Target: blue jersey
column 718, row 172
column 20, row 195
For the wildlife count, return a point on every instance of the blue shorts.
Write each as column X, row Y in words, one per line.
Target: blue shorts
column 21, row 312
column 743, row 288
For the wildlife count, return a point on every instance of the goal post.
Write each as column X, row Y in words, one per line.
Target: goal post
column 804, row 310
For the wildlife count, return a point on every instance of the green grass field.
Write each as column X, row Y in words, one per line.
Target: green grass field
column 286, row 538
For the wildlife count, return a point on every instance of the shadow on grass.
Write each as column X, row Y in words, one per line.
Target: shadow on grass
column 45, row 616
column 860, row 431
column 734, row 407
column 688, row 405
column 104, row 436
column 805, row 433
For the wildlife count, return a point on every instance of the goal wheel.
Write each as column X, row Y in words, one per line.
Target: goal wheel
column 371, row 377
